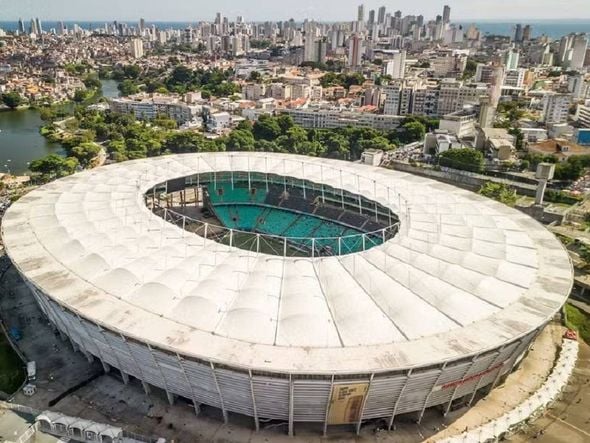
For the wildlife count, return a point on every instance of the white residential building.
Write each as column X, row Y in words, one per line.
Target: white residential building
column 219, row 121
column 583, row 115
column 514, row 78
column 556, row 108
column 137, row 48
column 396, row 66
column 578, row 55
column 150, row 106
column 460, row 123
column 332, row 119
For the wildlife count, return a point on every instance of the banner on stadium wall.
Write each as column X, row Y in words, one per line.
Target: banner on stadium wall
column 346, row 403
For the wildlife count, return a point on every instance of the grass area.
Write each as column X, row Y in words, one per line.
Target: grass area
column 12, row 372
column 579, row 321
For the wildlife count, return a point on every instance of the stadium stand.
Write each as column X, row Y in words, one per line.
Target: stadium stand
column 304, row 216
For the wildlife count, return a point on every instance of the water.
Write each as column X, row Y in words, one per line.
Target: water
column 20, row 141
column 109, row 88
column 554, row 29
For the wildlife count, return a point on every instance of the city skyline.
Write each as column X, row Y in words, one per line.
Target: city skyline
column 330, row 10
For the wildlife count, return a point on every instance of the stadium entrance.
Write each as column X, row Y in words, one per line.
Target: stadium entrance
column 273, row 214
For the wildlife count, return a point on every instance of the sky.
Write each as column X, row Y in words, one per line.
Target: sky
column 258, row 10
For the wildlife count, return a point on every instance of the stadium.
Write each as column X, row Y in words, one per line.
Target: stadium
column 289, row 289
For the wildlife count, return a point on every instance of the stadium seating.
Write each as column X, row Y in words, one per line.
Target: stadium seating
column 286, row 212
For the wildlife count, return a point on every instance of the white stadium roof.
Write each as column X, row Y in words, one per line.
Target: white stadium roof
column 463, row 275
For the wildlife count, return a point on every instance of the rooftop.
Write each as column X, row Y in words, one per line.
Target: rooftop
column 477, row 274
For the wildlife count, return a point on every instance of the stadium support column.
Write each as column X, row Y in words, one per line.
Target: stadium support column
column 362, row 411
column 88, row 356
column 125, row 377
column 467, row 372
column 442, row 369
column 291, row 393
column 194, row 398
column 401, row 394
column 170, row 397
column 256, row 423
column 223, row 410
column 328, row 406
column 105, row 366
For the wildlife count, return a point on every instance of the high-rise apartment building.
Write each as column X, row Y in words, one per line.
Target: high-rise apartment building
column 361, row 13
column 511, row 59
column 446, row 14
column 137, row 48
column 518, row 33
column 578, row 52
column 381, row 15
column 396, row 66
column 556, row 108
column 355, row 51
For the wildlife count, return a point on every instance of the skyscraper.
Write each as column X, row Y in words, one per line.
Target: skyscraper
column 579, row 52
column 355, row 53
column 361, row 13
column 396, row 66
column 38, row 26
column 556, row 108
column 527, row 33
column 381, row 15
column 309, row 49
column 518, row 32
column 511, row 59
column 21, row 26
column 371, row 16
column 565, row 45
column 446, row 14
column 137, row 48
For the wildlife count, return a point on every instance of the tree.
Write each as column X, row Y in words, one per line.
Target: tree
column 165, row 122
column 255, row 77
column 412, row 131
column 131, row 71
column 240, row 140
column 266, row 128
column 182, row 142
column 499, row 192
column 92, row 82
column 465, row 159
column 12, row 99
column 293, row 139
column 128, row 87
column 518, row 138
column 379, row 142
column 470, row 68
column 267, row 146
column 180, row 75
column 85, row 153
column 54, row 166
column 246, row 125
column 337, row 146
column 285, row 121
column 569, row 170
column 80, row 95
